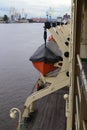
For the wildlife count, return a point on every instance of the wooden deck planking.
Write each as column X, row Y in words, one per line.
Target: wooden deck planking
column 50, row 112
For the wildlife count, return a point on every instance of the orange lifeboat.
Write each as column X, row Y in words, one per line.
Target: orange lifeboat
column 45, row 57
column 43, row 67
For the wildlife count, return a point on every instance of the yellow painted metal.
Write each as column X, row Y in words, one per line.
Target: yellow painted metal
column 76, row 99
column 75, row 116
column 57, row 82
column 39, row 94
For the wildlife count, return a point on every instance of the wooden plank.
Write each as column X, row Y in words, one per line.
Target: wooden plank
column 51, row 112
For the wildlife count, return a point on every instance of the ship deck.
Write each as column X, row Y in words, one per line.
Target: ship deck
column 50, row 112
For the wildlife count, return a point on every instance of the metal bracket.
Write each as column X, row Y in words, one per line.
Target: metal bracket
column 56, row 83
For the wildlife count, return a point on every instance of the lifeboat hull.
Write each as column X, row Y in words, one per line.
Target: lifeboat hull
column 43, row 67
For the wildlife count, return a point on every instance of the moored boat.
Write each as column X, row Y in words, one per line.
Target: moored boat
column 45, row 57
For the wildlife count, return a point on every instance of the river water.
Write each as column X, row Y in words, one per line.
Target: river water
column 17, row 75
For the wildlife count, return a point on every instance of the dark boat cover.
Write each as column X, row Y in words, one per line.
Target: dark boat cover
column 48, row 54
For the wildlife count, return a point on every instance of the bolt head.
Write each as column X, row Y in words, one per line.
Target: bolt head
column 66, row 96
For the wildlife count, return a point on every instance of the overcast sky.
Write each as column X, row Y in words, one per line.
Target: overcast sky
column 36, row 8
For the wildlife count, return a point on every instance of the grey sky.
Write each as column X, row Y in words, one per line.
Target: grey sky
column 36, row 8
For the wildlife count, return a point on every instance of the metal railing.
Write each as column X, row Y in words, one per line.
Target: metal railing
column 81, row 98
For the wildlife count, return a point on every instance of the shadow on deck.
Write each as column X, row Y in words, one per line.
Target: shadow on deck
column 50, row 112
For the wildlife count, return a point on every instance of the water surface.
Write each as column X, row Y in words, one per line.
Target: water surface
column 17, row 75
